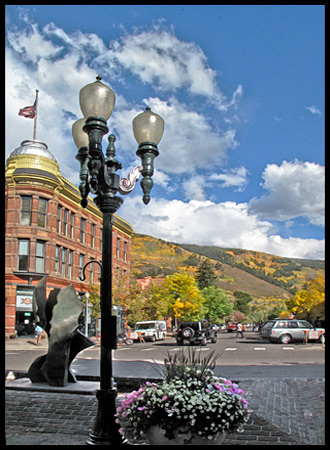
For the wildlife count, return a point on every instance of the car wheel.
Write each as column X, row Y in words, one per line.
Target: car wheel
column 153, row 338
column 214, row 339
column 203, row 341
column 285, row 339
column 188, row 332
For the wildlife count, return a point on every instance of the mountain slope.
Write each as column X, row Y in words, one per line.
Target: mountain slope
column 260, row 274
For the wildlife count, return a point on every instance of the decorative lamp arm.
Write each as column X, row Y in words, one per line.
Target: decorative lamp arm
column 126, row 185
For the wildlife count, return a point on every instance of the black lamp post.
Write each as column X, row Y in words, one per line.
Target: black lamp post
column 98, row 176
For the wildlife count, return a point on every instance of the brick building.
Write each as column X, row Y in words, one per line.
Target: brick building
column 47, row 232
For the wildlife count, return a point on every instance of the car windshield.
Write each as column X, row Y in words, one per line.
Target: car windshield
column 268, row 325
column 144, row 326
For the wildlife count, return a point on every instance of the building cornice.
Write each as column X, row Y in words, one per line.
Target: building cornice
column 41, row 172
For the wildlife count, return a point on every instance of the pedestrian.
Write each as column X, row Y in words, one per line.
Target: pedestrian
column 39, row 332
column 239, row 330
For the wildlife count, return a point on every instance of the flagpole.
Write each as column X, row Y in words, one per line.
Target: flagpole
column 35, row 118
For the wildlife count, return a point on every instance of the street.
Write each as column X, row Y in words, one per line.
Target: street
column 251, row 355
column 283, row 384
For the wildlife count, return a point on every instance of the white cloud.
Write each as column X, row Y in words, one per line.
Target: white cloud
column 60, row 69
column 295, row 189
column 236, row 177
column 313, row 110
column 159, row 58
column 189, row 141
column 194, row 188
column 226, row 224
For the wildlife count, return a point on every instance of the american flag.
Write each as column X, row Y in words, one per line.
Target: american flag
column 28, row 111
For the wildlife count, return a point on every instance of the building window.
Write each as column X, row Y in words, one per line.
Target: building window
column 93, row 236
column 91, row 273
column 72, row 217
column 125, row 251
column 81, row 264
column 40, row 257
column 118, row 248
column 42, row 212
column 82, row 230
column 65, row 222
column 59, row 218
column 57, row 258
column 26, row 205
column 23, row 254
column 63, row 262
column 70, row 263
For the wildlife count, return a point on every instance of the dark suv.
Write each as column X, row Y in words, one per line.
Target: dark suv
column 195, row 333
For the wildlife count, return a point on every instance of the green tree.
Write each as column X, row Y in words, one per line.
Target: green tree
column 186, row 300
column 94, row 300
column 205, row 274
column 217, row 303
column 242, row 300
column 134, row 303
column 157, row 303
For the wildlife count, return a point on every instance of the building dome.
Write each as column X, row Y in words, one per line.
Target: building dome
column 37, row 148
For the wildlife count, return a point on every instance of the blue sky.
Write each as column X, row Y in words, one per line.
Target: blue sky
column 241, row 90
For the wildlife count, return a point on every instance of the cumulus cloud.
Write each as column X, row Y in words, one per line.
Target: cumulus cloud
column 159, row 58
column 58, row 64
column 189, row 141
column 227, row 224
column 295, row 189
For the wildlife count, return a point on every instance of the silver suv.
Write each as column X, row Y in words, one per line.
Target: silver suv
column 287, row 330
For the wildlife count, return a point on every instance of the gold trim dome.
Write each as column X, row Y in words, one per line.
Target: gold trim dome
column 33, row 147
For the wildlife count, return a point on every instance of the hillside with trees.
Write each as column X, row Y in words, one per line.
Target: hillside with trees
column 259, row 274
column 184, row 282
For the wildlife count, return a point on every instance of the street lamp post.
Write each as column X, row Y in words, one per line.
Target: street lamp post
column 98, row 176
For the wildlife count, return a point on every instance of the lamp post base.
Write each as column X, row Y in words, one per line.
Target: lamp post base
column 106, row 430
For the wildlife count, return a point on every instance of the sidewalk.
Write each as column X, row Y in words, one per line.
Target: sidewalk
column 286, row 411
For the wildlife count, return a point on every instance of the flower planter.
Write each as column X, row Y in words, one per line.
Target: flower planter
column 156, row 436
column 191, row 406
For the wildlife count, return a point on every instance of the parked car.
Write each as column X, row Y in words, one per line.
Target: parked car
column 195, row 333
column 287, row 330
column 150, row 330
column 232, row 326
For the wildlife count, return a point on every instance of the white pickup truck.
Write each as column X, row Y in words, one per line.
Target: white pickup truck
column 150, row 330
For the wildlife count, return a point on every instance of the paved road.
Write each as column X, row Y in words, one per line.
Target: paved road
column 252, row 350
column 284, row 387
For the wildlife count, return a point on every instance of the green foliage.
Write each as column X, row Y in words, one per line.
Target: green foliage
column 157, row 303
column 176, row 365
column 94, row 300
column 206, row 276
column 135, row 305
column 242, row 300
column 217, row 304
